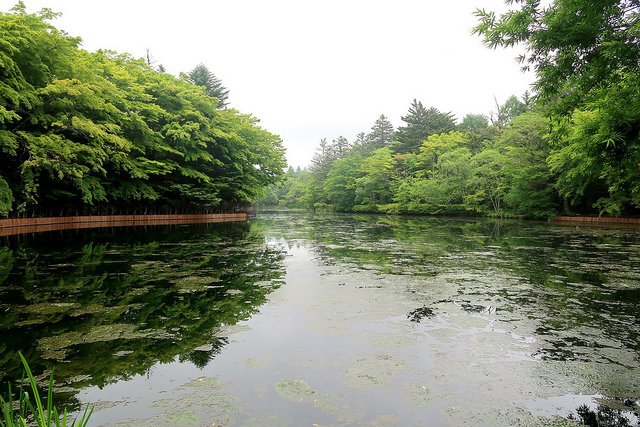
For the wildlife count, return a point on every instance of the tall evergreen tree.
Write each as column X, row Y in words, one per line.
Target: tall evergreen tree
column 320, row 166
column 322, row 160
column 381, row 133
column 201, row 76
column 360, row 144
column 340, row 147
column 421, row 123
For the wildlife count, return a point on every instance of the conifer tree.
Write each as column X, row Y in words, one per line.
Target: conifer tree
column 201, row 76
column 340, row 147
column 381, row 133
column 422, row 123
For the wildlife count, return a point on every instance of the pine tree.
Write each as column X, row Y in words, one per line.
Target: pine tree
column 340, row 147
column 381, row 133
column 422, row 123
column 201, row 76
column 360, row 144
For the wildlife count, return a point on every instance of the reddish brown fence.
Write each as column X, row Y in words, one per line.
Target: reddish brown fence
column 596, row 220
column 33, row 225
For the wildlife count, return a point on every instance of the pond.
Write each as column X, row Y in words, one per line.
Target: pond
column 296, row 319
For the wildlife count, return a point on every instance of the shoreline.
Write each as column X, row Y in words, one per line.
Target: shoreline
column 595, row 220
column 14, row 226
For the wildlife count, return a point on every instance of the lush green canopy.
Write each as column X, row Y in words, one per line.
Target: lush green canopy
column 586, row 56
column 574, row 46
column 498, row 170
column 101, row 132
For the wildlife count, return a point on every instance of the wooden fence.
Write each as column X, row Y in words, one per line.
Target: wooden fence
column 588, row 219
column 34, row 225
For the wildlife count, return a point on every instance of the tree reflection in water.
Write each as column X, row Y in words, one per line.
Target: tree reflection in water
column 103, row 305
column 494, row 318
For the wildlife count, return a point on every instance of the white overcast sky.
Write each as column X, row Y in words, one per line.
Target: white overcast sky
column 311, row 69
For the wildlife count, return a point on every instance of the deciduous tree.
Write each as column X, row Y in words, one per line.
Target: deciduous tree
column 340, row 185
column 586, row 56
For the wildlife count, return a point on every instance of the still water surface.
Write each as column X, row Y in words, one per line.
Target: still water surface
column 295, row 319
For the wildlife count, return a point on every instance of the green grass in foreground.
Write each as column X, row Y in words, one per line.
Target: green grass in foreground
column 23, row 412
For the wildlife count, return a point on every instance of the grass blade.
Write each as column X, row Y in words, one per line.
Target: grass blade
column 34, row 390
column 7, row 411
column 42, row 418
column 50, row 400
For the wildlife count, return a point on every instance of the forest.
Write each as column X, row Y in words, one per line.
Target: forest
column 570, row 147
column 105, row 133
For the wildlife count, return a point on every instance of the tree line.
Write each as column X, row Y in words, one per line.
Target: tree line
column 573, row 147
column 105, row 133
column 433, row 165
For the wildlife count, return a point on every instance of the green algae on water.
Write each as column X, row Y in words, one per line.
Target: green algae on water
column 374, row 371
column 294, row 390
column 55, row 346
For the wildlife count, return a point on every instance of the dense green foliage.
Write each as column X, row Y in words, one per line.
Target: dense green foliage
column 102, row 132
column 471, row 169
column 574, row 147
column 586, row 56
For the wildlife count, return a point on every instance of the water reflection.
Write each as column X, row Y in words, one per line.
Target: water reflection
column 565, row 278
column 380, row 320
column 104, row 305
column 574, row 291
column 615, row 413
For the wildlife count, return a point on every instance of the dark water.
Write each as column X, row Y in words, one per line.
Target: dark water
column 293, row 319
